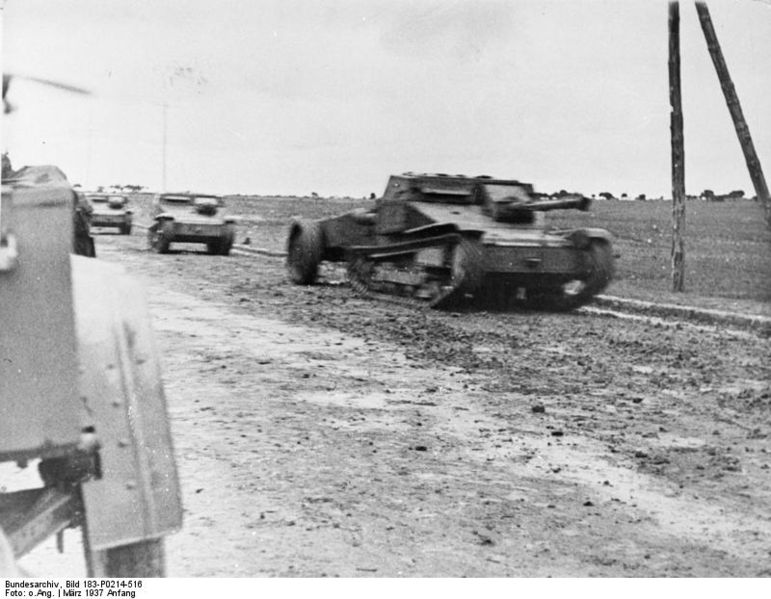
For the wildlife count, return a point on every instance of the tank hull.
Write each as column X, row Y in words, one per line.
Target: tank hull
column 411, row 245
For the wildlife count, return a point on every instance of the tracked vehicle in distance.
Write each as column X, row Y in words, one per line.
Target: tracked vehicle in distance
column 190, row 218
column 450, row 241
column 110, row 210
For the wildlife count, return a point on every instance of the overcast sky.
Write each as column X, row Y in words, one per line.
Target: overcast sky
column 331, row 96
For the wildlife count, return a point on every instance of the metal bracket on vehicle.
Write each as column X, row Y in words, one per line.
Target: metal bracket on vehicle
column 29, row 517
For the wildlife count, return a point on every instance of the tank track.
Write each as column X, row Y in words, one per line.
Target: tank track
column 392, row 272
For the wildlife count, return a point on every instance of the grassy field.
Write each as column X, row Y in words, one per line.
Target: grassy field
column 728, row 246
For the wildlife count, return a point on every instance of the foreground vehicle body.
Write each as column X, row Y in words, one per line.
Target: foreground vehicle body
column 190, row 218
column 111, row 211
column 80, row 396
column 445, row 241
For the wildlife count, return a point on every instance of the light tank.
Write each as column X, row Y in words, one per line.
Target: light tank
column 111, row 210
column 190, row 218
column 447, row 241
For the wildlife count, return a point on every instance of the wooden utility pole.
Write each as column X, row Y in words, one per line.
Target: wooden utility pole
column 732, row 100
column 678, row 151
column 164, row 144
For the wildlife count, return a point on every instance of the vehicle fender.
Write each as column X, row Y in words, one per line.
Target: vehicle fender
column 363, row 216
column 582, row 238
column 431, row 230
column 344, row 231
column 137, row 496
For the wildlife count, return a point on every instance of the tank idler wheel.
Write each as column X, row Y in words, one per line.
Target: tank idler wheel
column 578, row 292
column 602, row 267
column 304, row 252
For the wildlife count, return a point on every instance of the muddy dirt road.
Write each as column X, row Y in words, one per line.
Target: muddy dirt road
column 319, row 434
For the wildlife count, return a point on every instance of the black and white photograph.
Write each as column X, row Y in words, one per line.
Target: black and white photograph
column 381, row 290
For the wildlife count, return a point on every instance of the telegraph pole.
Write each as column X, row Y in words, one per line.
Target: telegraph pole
column 678, row 151
column 732, row 100
column 163, row 159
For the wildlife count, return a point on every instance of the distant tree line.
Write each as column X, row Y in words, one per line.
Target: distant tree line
column 706, row 195
column 710, row 196
column 115, row 188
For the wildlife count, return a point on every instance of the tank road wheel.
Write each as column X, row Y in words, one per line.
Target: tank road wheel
column 602, row 266
column 466, row 274
column 578, row 292
column 360, row 271
column 467, row 266
column 304, row 251
column 159, row 238
column 144, row 559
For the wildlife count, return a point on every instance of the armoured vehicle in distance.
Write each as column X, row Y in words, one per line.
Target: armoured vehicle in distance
column 111, row 210
column 190, row 218
column 81, row 395
column 448, row 241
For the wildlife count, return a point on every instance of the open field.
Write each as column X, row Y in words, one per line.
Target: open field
column 728, row 246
